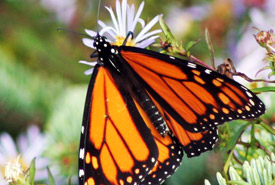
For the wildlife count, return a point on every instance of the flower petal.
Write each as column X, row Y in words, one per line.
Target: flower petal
column 119, row 19
column 88, row 42
column 91, row 32
column 130, row 17
column 123, row 16
column 35, row 148
column 150, row 34
column 114, row 20
column 22, row 143
column 88, row 63
column 109, row 30
column 8, row 147
column 147, row 28
column 142, row 22
column 147, row 42
column 137, row 17
column 89, row 71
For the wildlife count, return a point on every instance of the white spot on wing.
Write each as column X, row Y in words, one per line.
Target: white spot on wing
column 249, row 94
column 81, row 173
column 81, row 153
column 252, row 102
column 208, row 71
column 191, row 65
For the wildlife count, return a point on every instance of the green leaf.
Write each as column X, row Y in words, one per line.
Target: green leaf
column 169, row 36
column 271, row 74
column 231, row 144
column 32, row 171
column 263, row 89
column 267, row 127
column 220, row 179
column 234, row 175
column 238, row 183
column 50, row 176
column 190, row 45
column 257, row 172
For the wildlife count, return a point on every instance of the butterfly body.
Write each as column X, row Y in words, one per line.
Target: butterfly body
column 143, row 109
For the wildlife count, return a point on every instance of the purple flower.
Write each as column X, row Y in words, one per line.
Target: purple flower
column 247, row 54
column 64, row 9
column 20, row 154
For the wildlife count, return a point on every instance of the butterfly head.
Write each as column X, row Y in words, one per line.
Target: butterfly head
column 101, row 44
column 105, row 51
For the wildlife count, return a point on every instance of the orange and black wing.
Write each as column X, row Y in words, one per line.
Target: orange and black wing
column 195, row 98
column 116, row 146
column 193, row 143
column 170, row 153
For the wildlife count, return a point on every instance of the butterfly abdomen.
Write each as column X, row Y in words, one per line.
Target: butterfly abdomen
column 152, row 111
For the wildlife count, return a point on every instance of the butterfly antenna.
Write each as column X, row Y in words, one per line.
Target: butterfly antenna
column 97, row 17
column 64, row 29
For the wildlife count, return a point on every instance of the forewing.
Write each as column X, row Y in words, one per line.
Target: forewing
column 116, row 147
column 196, row 97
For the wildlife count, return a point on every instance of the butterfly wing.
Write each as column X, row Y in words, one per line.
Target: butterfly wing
column 193, row 143
column 196, row 98
column 170, row 153
column 116, row 146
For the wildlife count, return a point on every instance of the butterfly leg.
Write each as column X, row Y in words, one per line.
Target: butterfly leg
column 130, row 34
column 94, row 55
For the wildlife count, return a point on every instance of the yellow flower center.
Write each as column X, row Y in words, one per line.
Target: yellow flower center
column 120, row 39
column 14, row 170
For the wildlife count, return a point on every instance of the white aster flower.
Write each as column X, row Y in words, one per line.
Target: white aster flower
column 28, row 146
column 13, row 170
column 124, row 21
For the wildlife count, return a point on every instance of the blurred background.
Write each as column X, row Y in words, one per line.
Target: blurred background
column 43, row 88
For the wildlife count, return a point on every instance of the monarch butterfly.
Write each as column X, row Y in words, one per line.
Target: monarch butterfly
column 144, row 108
